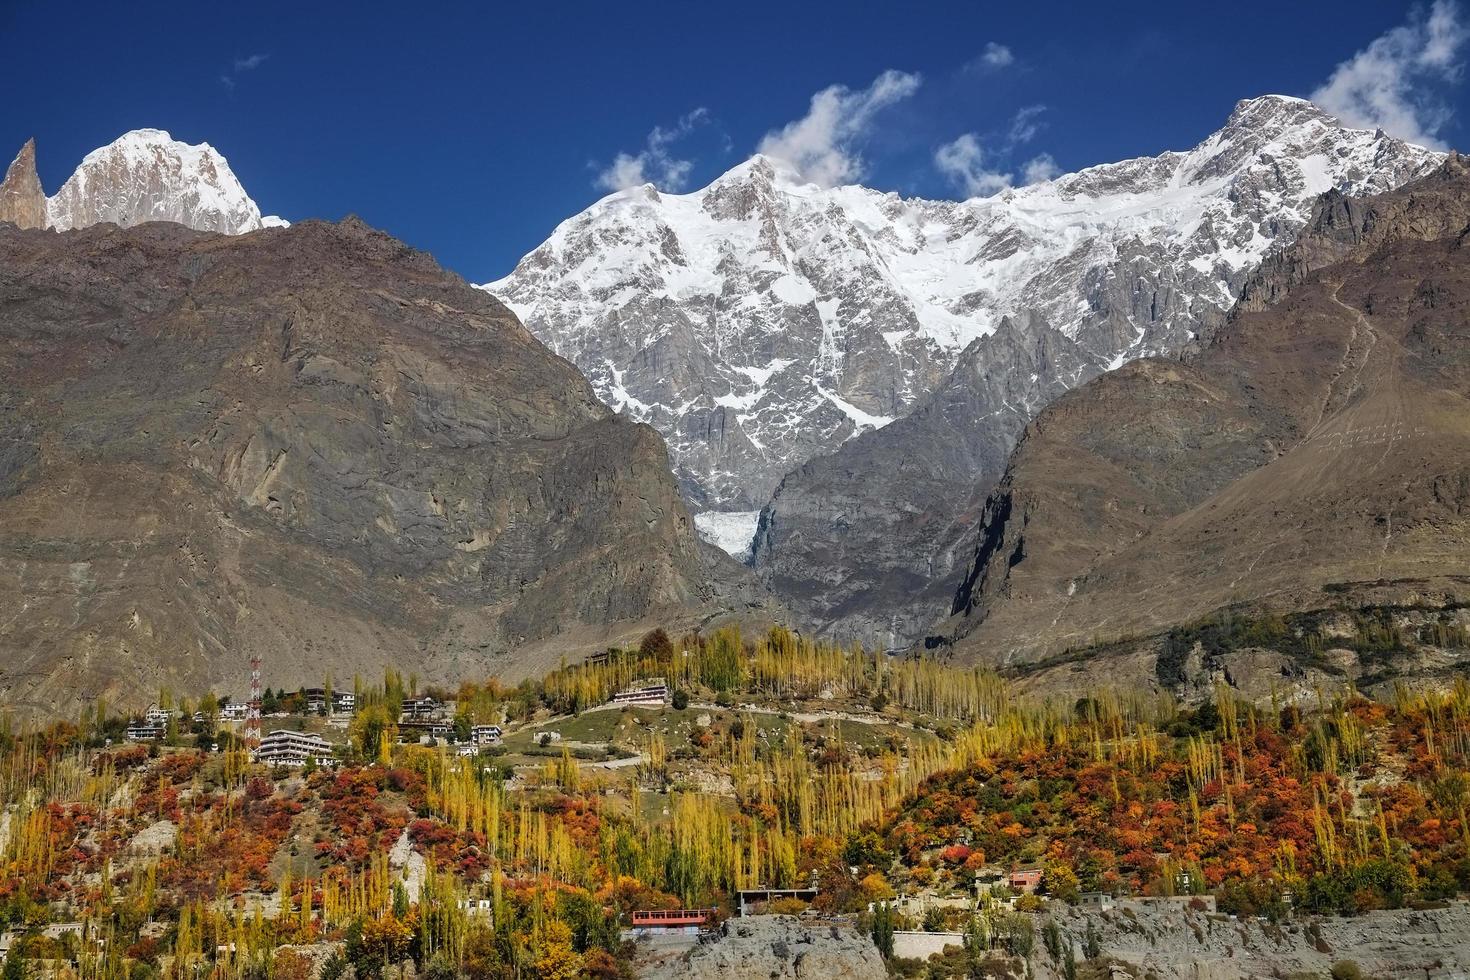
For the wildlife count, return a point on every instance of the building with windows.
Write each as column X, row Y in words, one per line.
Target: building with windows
column 287, row 748
column 1026, row 881
column 651, row 922
column 234, row 710
column 482, row 908
column 145, row 731
column 343, row 702
column 486, row 734
column 421, row 708
column 159, row 716
column 424, row 732
column 652, row 693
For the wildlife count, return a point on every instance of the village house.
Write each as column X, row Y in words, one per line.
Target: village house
column 159, row 716
column 424, row 732
column 421, row 709
column 652, row 693
column 234, row 710
column 649, row 922
column 287, row 748
column 486, row 734
column 145, row 731
column 1025, row 881
column 343, row 702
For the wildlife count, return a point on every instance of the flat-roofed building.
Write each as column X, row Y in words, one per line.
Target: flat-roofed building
column 420, row 708
column 145, row 731
column 652, row 693
column 287, row 748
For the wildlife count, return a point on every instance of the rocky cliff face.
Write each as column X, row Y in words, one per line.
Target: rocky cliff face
column 147, row 175
column 311, row 444
column 771, row 947
column 1168, row 942
column 1313, row 454
column 22, row 201
column 1170, row 243
column 870, row 543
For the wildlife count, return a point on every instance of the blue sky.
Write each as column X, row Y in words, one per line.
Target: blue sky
column 470, row 130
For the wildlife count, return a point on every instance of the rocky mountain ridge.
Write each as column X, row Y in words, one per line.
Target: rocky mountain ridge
column 1311, row 456
column 312, row 444
column 764, row 320
column 143, row 175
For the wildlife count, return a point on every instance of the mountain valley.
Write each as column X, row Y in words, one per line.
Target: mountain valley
column 764, row 322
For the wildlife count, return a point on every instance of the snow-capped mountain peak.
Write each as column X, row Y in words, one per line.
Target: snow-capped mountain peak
column 764, row 319
column 147, row 175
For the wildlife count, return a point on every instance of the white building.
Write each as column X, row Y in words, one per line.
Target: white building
column 234, row 710
column 145, row 731
column 421, row 708
column 486, row 734
column 159, row 716
column 343, row 702
column 652, row 693
column 288, row 748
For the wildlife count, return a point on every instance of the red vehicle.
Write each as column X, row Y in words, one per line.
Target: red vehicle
column 673, row 918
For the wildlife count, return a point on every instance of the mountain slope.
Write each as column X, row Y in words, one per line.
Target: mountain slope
column 763, row 320
column 870, row 542
column 1317, row 453
column 308, row 443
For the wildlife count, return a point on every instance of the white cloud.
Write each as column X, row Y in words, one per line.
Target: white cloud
column 1026, row 125
column 963, row 162
column 823, row 143
column 1038, row 168
column 1382, row 86
column 996, row 55
column 654, row 164
column 242, row 65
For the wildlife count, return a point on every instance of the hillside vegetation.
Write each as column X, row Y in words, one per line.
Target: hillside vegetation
column 783, row 762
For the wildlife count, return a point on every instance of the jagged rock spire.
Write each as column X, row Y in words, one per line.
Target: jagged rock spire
column 22, row 201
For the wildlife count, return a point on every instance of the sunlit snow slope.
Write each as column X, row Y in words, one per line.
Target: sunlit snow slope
column 764, row 320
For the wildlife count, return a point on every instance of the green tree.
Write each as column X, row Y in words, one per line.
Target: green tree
column 883, row 929
column 400, row 901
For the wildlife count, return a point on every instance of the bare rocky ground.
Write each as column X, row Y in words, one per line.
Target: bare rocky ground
column 1135, row 941
column 767, row 946
column 1176, row 942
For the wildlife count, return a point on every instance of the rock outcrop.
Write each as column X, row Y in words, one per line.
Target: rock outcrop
column 1314, row 454
column 871, row 542
column 776, row 947
column 1169, row 942
column 22, row 201
column 312, row 444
